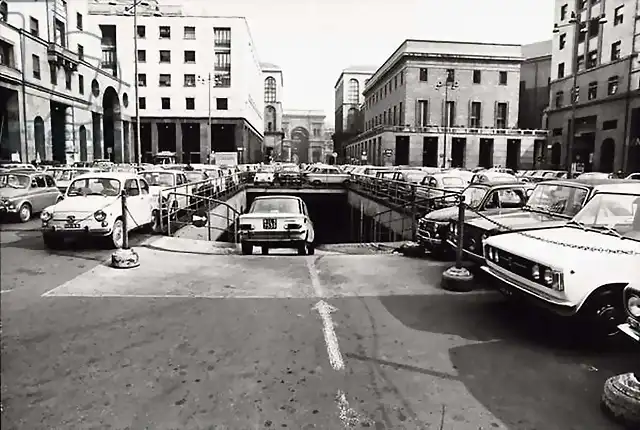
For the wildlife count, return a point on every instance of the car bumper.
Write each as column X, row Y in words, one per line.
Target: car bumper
column 427, row 239
column 274, row 237
column 84, row 230
column 633, row 331
column 511, row 286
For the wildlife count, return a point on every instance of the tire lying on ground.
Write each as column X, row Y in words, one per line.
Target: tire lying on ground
column 621, row 399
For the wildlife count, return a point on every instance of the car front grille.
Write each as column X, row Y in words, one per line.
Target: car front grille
column 472, row 239
column 515, row 264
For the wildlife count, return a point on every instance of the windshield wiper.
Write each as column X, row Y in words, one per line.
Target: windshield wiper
column 608, row 230
column 578, row 224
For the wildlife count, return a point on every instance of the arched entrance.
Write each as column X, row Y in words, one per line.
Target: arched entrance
column 38, row 137
column 83, row 143
column 607, row 155
column 556, row 155
column 112, row 125
column 300, row 145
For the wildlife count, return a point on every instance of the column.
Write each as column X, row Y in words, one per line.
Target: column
column 205, row 145
column 127, row 142
column 179, row 153
column 96, row 136
column 69, row 146
column 118, row 140
column 154, row 137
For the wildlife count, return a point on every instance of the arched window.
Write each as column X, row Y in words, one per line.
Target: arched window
column 354, row 91
column 351, row 119
column 270, row 90
column 270, row 118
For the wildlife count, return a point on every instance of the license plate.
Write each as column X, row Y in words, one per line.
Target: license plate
column 269, row 224
column 72, row 225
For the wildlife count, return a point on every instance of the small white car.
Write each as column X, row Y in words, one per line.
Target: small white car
column 163, row 182
column 277, row 222
column 326, row 174
column 92, row 206
column 265, row 176
column 580, row 269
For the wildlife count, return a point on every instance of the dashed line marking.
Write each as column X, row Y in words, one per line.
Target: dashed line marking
column 330, row 338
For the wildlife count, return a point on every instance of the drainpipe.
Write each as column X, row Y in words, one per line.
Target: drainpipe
column 24, row 97
column 626, row 146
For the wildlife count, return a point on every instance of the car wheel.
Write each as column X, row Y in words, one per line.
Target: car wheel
column 311, row 249
column 265, row 250
column 52, row 242
column 25, row 212
column 316, row 182
column 247, row 248
column 605, row 314
column 117, row 234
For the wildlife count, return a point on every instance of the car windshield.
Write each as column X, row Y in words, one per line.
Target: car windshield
column 616, row 214
column 67, row 175
column 94, row 186
column 12, row 180
column 473, row 195
column 415, row 177
column 194, row 176
column 266, row 170
column 158, row 179
column 559, row 199
column 452, row 182
column 275, row 206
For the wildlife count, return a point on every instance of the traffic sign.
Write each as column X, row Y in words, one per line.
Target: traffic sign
column 200, row 218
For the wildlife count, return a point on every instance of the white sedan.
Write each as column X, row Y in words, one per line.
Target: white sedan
column 277, row 222
column 92, row 206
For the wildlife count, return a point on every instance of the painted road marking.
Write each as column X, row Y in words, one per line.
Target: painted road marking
column 315, row 276
column 349, row 417
column 330, row 338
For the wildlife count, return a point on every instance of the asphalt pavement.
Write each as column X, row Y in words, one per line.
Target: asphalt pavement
column 199, row 337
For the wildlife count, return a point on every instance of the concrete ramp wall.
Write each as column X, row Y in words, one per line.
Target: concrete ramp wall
column 221, row 218
column 393, row 220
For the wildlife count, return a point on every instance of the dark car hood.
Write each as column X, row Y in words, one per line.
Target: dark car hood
column 520, row 220
column 451, row 213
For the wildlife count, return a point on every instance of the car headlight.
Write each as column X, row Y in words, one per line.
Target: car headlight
column 46, row 216
column 548, row 277
column 535, row 272
column 100, row 215
column 293, row 226
column 633, row 306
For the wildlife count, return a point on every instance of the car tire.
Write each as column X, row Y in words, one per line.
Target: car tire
column 116, row 238
column 316, row 182
column 302, row 248
column 311, row 249
column 247, row 248
column 604, row 312
column 52, row 242
column 265, row 250
column 24, row 213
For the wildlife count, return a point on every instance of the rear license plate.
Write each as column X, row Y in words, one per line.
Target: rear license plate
column 72, row 225
column 269, row 224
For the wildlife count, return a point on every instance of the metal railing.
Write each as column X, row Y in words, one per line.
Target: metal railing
column 203, row 207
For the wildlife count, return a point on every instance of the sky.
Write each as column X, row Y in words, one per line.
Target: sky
column 314, row 40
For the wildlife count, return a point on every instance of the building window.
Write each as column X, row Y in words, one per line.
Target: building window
column 142, row 79
column 562, row 41
column 79, row 24
column 53, row 69
column 141, row 31
column 576, row 95
column 611, row 124
column 503, row 78
column 618, row 17
column 35, row 27
column 615, row 50
column 189, row 57
column 36, row 66
column 423, row 113
column 81, row 84
column 560, row 70
column 142, row 102
column 477, row 76
column 563, row 11
column 165, row 32
column 222, row 37
column 67, row 79
column 190, row 103
column 223, row 61
column 402, row 77
column 395, row 82
column 165, row 56
column 592, row 93
column 270, row 90
column 592, row 59
column 190, row 33
column 501, row 115
column 424, row 74
column 164, row 80
column 222, row 103
column 353, row 94
column 60, row 33
column 582, row 35
column 594, row 27
column 451, row 75
column 612, row 85
column 475, row 115
column 222, row 80
column 81, row 52
column 166, row 103
column 189, row 80
column 580, row 62
column 559, row 99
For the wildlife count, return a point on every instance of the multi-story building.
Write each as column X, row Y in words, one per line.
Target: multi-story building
column 349, row 117
column 535, row 76
column 200, row 82
column 304, row 136
column 56, row 102
column 273, row 92
column 446, row 103
column 601, row 59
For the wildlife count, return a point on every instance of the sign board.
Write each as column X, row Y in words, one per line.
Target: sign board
column 109, row 150
column 334, row 155
column 225, row 158
column 200, row 218
column 363, row 158
column 388, row 152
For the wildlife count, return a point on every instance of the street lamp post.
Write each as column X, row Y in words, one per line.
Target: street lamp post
column 576, row 23
column 207, row 80
column 450, row 82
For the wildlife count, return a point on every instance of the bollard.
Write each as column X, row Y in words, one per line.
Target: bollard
column 414, row 227
column 125, row 257
column 458, row 278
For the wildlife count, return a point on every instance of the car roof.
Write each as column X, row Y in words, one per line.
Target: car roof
column 500, row 183
column 121, row 176
column 624, row 186
column 592, row 182
column 278, row 198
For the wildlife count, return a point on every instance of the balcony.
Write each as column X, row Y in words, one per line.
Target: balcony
column 63, row 57
column 224, row 43
column 223, row 67
column 60, row 9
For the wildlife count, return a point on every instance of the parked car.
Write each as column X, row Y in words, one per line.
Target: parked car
column 23, row 193
column 634, row 176
column 438, row 190
column 64, row 175
column 277, row 222
column 326, row 174
column 92, row 208
column 265, row 176
column 492, row 176
column 631, row 302
column 201, row 186
column 551, row 204
column 486, row 197
column 581, row 269
column 164, row 182
column 288, row 175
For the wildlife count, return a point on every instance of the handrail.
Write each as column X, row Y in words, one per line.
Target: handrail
column 208, row 208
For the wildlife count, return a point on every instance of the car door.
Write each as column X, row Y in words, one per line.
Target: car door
column 134, row 204
column 307, row 219
column 53, row 193
column 148, row 203
column 183, row 190
column 38, row 194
